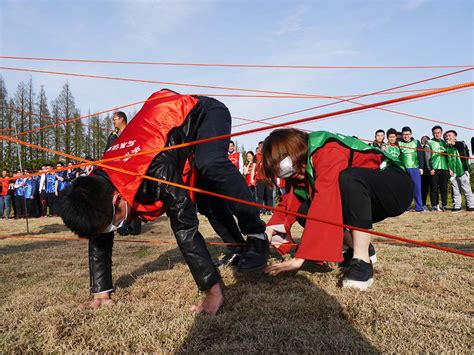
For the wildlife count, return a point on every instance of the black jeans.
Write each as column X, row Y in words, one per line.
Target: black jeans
column 213, row 164
column 264, row 194
column 439, row 183
column 425, row 188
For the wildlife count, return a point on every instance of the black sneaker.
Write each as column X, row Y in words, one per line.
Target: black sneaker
column 255, row 255
column 359, row 275
column 229, row 259
column 456, row 210
column 470, row 209
column 349, row 254
column 445, row 209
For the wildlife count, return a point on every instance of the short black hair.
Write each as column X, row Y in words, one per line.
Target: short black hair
column 379, row 130
column 232, row 142
column 436, row 127
column 452, row 131
column 391, row 131
column 121, row 114
column 86, row 206
column 406, row 129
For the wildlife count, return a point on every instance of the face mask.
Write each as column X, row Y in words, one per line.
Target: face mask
column 112, row 227
column 286, row 168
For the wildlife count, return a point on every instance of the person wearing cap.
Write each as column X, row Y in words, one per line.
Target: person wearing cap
column 338, row 179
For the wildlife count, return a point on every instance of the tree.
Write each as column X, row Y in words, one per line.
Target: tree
column 44, row 135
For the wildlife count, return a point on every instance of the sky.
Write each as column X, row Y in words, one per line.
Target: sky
column 326, row 33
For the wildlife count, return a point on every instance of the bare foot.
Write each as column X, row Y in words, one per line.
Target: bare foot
column 96, row 303
column 212, row 302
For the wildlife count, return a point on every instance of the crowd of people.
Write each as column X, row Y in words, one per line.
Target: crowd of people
column 24, row 196
column 333, row 179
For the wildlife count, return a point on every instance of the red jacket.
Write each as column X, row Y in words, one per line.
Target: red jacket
column 322, row 241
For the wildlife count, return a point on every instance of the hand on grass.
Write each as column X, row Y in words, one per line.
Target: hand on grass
column 285, row 266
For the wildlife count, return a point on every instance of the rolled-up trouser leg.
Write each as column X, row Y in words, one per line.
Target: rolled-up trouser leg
column 100, row 262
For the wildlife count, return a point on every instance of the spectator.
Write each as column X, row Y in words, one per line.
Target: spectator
column 42, row 192
column 379, row 139
column 460, row 168
column 392, row 147
column 5, row 198
column 49, row 186
column 19, row 187
column 249, row 172
column 439, row 171
column 264, row 191
column 425, row 178
column 31, row 186
column 411, row 154
column 119, row 120
column 235, row 157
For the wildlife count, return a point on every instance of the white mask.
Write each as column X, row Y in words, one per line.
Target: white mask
column 286, row 168
column 112, row 227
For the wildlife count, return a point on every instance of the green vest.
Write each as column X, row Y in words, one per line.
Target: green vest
column 409, row 153
column 454, row 161
column 438, row 161
column 393, row 151
column 319, row 138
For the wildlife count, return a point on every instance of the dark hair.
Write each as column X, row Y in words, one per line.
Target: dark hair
column 86, row 205
column 232, row 142
column 60, row 163
column 406, row 129
column 436, row 127
column 260, row 142
column 452, row 131
column 280, row 144
column 391, row 131
column 120, row 114
column 250, row 152
column 379, row 130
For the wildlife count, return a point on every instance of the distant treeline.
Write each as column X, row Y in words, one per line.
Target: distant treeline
column 27, row 110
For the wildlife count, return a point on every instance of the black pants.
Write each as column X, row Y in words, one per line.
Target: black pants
column 439, row 183
column 212, row 162
column 31, row 207
column 51, row 200
column 44, row 203
column 264, row 194
column 369, row 196
column 425, row 188
column 220, row 217
column 20, row 206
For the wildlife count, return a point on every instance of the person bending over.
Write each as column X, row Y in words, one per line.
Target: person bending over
column 97, row 205
column 339, row 179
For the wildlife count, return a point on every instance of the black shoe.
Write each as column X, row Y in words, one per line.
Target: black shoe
column 456, row 210
column 229, row 259
column 470, row 209
column 359, row 275
column 445, row 209
column 349, row 254
column 255, row 255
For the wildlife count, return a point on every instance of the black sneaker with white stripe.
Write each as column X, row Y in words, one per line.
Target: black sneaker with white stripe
column 359, row 275
column 349, row 254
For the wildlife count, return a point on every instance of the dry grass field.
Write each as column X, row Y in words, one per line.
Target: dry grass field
column 421, row 300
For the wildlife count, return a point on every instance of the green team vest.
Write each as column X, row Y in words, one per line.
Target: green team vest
column 438, row 161
column 393, row 151
column 320, row 138
column 409, row 153
column 454, row 161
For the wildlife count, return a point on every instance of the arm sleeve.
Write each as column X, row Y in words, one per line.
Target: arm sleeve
column 241, row 163
column 184, row 222
column 421, row 155
column 289, row 202
column 322, row 241
column 100, row 262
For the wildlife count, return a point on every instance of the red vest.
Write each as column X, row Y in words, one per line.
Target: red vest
column 4, row 182
column 234, row 158
column 258, row 158
column 248, row 177
column 149, row 129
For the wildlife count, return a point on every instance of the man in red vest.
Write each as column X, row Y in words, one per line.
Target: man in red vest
column 97, row 205
column 235, row 157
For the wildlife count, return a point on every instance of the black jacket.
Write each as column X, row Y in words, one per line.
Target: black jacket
column 167, row 165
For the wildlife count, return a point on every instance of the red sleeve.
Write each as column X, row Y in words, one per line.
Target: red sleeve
column 322, row 241
column 289, row 202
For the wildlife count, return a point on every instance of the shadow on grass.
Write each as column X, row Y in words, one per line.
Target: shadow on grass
column 21, row 248
column 287, row 314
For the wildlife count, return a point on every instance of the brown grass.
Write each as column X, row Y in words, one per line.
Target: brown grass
column 421, row 300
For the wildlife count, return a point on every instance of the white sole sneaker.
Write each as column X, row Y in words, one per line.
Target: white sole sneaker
column 373, row 258
column 360, row 285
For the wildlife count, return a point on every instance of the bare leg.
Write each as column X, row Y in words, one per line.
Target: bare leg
column 212, row 301
column 361, row 241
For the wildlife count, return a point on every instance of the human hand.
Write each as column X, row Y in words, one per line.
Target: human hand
column 421, row 171
column 285, row 266
column 432, row 172
column 451, row 172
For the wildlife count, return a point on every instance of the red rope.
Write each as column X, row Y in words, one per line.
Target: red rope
column 267, row 66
